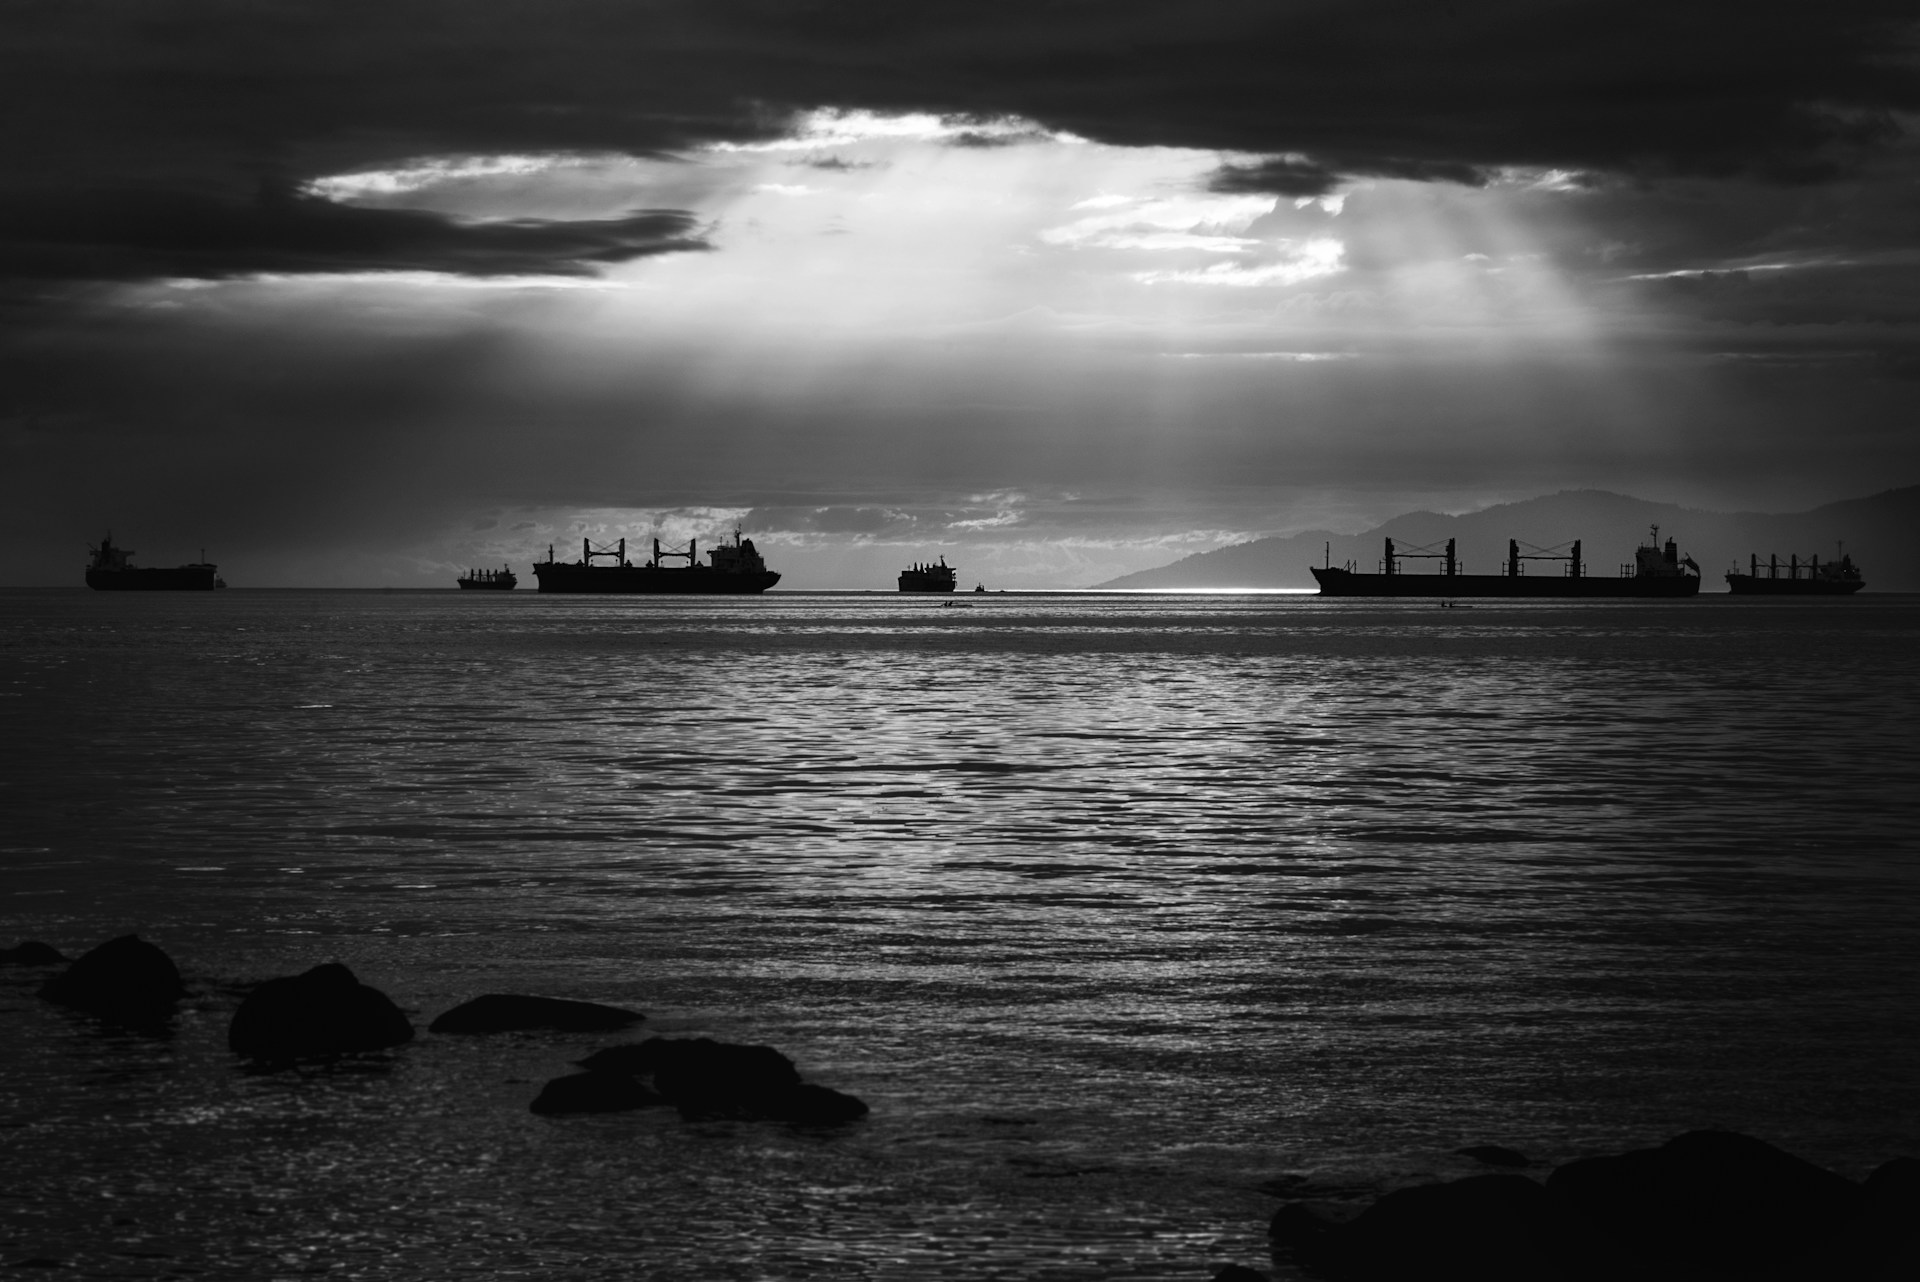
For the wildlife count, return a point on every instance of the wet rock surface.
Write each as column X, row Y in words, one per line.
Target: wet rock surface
column 705, row 1078
column 593, row 1092
column 510, row 1013
column 126, row 979
column 322, row 1013
column 32, row 953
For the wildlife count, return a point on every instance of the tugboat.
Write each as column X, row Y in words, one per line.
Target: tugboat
column 112, row 569
column 1809, row 578
column 500, row 580
column 734, row 568
column 929, row 578
column 1655, row 571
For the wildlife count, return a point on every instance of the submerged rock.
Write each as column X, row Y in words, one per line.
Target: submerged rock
column 508, row 1013
column 593, row 1092
column 32, row 953
column 1711, row 1204
column 321, row 1013
column 125, row 979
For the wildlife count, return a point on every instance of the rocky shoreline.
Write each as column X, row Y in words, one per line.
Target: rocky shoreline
column 1705, row 1206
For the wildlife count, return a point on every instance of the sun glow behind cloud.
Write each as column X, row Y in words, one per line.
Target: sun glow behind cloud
column 981, row 303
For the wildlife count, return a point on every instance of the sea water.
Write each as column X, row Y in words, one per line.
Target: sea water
column 1125, row 913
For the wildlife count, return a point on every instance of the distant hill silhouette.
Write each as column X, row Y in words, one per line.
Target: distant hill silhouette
column 1882, row 534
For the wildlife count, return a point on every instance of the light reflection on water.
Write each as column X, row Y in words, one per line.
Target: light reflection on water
column 1111, row 906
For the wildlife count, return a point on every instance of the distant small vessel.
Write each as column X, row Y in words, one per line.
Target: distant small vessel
column 112, row 569
column 500, row 580
column 1655, row 571
column 735, row 568
column 1808, row 578
column 929, row 578
column 979, row 587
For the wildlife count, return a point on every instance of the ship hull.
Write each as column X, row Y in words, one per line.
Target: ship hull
column 1751, row 585
column 650, row 580
column 925, row 587
column 1347, row 583
column 182, row 578
column 487, row 585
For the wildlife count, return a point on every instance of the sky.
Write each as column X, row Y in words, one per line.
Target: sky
column 364, row 294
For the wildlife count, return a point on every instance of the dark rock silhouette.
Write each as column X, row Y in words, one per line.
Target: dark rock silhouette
column 1707, row 1206
column 1882, row 1242
column 124, row 979
column 706, row 1078
column 1238, row 1273
column 593, row 1092
column 1711, row 1204
column 1489, row 1228
column 1494, row 1155
column 507, row 1013
column 1299, row 1224
column 322, row 1013
column 31, row 953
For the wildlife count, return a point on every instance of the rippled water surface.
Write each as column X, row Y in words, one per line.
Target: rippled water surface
column 1113, row 907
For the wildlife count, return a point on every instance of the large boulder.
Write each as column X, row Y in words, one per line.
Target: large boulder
column 322, row 1013
column 706, row 1078
column 32, row 953
column 1489, row 1228
column 1710, row 1204
column 125, row 979
column 592, row 1092
column 1882, row 1242
column 510, row 1013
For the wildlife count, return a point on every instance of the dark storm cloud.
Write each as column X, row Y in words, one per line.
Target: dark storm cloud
column 140, row 234
column 189, row 102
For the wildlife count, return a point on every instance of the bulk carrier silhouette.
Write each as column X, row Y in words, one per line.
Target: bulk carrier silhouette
column 733, row 568
column 112, row 569
column 1655, row 571
column 1802, row 578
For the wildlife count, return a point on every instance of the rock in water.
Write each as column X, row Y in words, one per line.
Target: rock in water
column 592, row 1092
column 705, row 1078
column 508, row 1013
column 125, row 979
column 322, row 1013
column 1712, row 1204
column 1490, row 1228
column 31, row 953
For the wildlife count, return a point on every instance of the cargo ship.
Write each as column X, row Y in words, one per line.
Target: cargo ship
column 112, row 569
column 500, row 580
column 929, row 578
column 1802, row 578
column 1656, row 571
column 732, row 568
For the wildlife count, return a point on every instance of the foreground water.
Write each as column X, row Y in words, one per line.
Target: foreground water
column 1114, row 908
